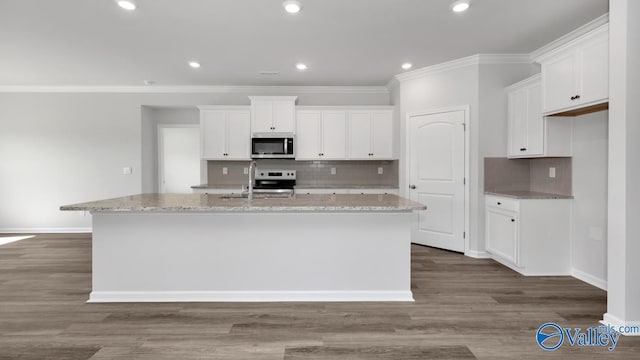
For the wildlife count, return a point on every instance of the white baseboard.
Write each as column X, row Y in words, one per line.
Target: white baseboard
column 618, row 324
column 56, row 230
column 247, row 296
column 589, row 279
column 477, row 254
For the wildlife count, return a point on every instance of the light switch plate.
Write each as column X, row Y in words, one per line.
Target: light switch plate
column 246, row 171
column 225, row 171
column 127, row 170
column 552, row 172
column 380, row 170
column 333, row 171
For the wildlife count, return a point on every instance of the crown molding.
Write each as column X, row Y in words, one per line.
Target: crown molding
column 567, row 38
column 199, row 89
column 460, row 63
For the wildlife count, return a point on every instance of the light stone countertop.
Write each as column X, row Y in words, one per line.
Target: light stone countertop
column 528, row 195
column 218, row 203
column 300, row 187
column 221, row 187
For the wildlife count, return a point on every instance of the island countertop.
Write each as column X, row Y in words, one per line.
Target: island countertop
column 221, row 203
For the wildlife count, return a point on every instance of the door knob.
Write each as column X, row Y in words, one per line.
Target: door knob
column 412, row 187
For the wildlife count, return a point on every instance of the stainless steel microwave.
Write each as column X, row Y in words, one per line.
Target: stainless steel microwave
column 272, row 146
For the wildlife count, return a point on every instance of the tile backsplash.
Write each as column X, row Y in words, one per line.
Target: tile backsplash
column 502, row 174
column 348, row 173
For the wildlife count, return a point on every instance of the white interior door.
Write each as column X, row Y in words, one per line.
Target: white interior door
column 436, row 175
column 179, row 158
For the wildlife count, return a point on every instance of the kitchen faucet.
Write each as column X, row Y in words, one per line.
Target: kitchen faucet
column 252, row 177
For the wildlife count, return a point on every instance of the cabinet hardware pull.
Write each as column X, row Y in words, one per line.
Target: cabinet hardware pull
column 523, row 149
column 412, row 187
column 499, row 203
column 577, row 97
column 573, row 98
column 513, row 220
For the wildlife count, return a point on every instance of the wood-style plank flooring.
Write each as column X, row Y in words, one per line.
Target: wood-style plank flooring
column 465, row 309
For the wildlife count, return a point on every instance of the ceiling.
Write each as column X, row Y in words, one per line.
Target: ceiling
column 346, row 42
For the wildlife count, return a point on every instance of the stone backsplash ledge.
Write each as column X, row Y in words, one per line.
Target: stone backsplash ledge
column 311, row 173
column 502, row 174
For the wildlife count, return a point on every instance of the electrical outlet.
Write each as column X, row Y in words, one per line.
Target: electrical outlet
column 225, row 171
column 380, row 170
column 552, row 172
column 246, row 171
column 333, row 171
column 127, row 170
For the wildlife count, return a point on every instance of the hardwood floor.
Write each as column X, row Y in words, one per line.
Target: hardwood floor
column 465, row 309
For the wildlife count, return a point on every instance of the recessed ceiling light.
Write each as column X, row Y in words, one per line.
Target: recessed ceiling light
column 407, row 66
column 127, row 4
column 194, row 64
column 292, row 6
column 460, row 5
column 301, row 66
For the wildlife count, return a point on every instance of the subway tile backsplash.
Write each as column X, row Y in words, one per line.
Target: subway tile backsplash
column 502, row 174
column 311, row 173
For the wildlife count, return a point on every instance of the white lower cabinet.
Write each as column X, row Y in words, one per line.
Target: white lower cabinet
column 530, row 236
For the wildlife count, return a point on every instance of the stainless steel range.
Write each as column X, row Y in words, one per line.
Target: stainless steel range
column 275, row 181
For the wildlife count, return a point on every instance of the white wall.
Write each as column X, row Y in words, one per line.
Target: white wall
column 481, row 87
column 63, row 148
column 623, row 273
column 589, row 214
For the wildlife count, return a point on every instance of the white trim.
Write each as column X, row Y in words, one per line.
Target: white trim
column 477, row 254
column 247, row 296
column 523, row 83
column 467, row 160
column 589, row 279
column 571, row 45
column 39, row 230
column 344, row 107
column 609, row 319
column 197, row 89
column 225, row 107
column 573, row 35
column 463, row 62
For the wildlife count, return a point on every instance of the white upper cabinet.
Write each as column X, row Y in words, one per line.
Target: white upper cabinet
column 225, row 132
column 576, row 75
column 273, row 114
column 321, row 135
column 529, row 133
column 344, row 133
column 370, row 135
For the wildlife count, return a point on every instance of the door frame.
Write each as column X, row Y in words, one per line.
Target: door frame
column 160, row 146
column 467, row 157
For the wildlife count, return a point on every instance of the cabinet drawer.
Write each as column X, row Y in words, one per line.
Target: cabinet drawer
column 502, row 203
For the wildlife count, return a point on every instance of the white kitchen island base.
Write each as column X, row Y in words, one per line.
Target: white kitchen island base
column 247, row 256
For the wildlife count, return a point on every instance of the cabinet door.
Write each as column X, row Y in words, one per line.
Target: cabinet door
column 214, row 134
column 334, row 135
column 535, row 130
column 262, row 113
column 382, row 135
column 284, row 116
column 594, row 70
column 239, row 135
column 308, row 136
column 359, row 135
column 502, row 234
column 559, row 82
column 517, row 123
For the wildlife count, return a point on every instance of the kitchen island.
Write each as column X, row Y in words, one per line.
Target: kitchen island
column 192, row 247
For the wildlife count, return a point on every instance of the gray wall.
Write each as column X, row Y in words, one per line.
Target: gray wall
column 62, row 148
